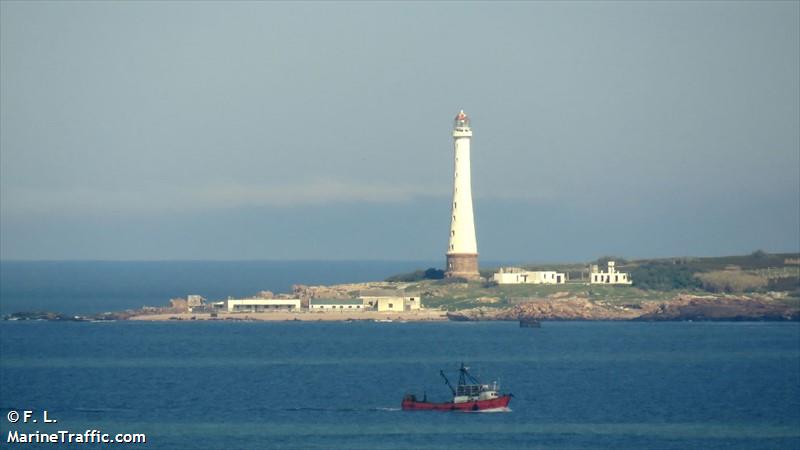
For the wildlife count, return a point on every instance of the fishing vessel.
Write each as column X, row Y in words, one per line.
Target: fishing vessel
column 468, row 395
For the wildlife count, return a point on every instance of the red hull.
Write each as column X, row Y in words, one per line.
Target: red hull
column 478, row 405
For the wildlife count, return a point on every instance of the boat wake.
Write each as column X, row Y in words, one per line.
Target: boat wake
column 504, row 409
column 342, row 409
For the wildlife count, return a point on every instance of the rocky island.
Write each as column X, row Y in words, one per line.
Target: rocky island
column 756, row 287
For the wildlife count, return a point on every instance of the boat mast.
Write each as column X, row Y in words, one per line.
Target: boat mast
column 447, row 382
column 465, row 376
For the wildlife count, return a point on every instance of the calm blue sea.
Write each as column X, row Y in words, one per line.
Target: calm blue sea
column 577, row 385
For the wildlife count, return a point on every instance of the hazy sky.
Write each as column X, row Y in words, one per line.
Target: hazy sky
column 261, row 130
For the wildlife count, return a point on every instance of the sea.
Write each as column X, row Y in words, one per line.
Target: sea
column 323, row 385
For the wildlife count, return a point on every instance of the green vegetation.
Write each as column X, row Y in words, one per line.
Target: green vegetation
column 756, row 260
column 731, row 281
column 758, row 271
column 664, row 277
column 427, row 274
column 464, row 295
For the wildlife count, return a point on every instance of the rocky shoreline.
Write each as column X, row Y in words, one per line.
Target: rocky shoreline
column 680, row 308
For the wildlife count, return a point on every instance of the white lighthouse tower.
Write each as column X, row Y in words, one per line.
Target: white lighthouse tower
column 462, row 252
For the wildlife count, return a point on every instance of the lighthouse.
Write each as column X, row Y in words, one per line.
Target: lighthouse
column 462, row 251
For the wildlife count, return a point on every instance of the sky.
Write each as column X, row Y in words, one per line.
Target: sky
column 322, row 130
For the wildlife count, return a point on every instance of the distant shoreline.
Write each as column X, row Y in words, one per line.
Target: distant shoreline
column 303, row 316
column 755, row 287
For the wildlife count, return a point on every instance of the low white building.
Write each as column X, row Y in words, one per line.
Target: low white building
column 348, row 304
column 390, row 304
column 515, row 275
column 611, row 277
column 262, row 304
column 386, row 301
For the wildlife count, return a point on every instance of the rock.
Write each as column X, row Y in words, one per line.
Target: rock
column 722, row 308
column 460, row 316
column 682, row 307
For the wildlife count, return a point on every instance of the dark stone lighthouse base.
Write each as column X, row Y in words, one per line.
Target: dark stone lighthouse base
column 462, row 265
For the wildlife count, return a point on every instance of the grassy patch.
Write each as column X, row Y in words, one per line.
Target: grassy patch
column 473, row 294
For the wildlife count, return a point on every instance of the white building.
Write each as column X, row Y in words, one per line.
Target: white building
column 389, row 304
column 261, row 304
column 348, row 304
column 462, row 250
column 610, row 277
column 515, row 275
column 385, row 301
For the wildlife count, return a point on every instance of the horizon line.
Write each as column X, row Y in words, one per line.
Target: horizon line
column 344, row 260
